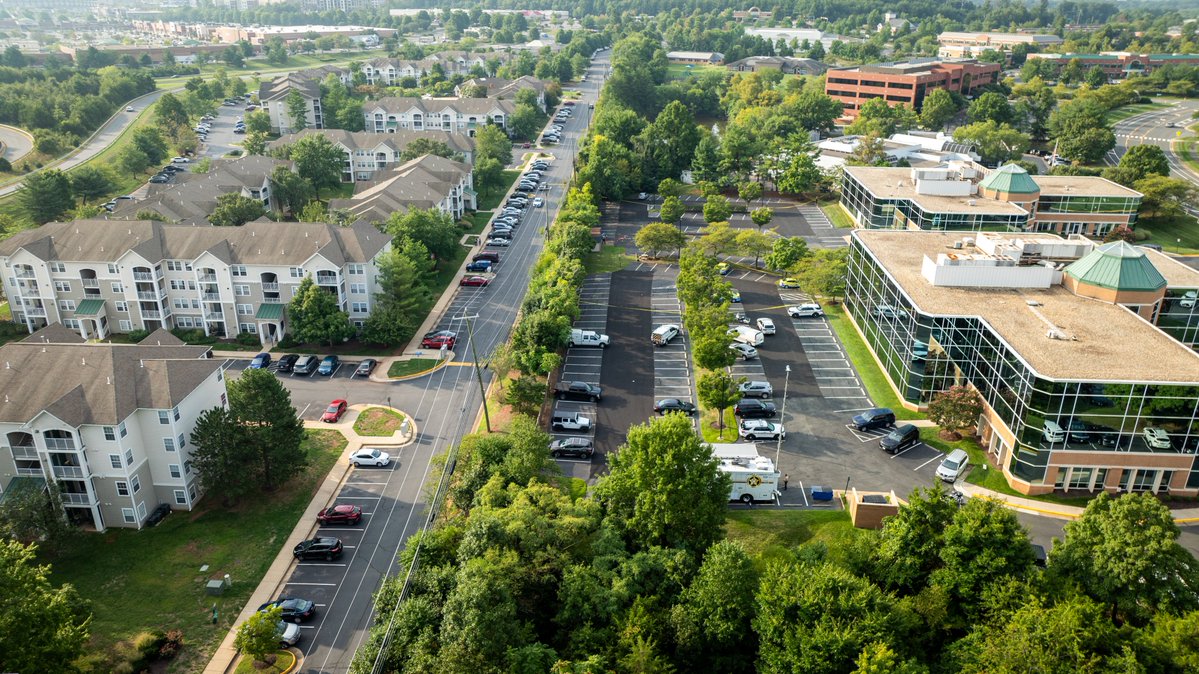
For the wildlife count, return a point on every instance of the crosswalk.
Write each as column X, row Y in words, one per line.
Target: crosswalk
column 834, row 374
column 672, row 363
column 823, row 232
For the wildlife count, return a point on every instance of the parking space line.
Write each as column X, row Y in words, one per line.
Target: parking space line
column 927, row 462
column 899, row 454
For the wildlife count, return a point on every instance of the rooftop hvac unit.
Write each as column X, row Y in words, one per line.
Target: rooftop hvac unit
column 957, row 245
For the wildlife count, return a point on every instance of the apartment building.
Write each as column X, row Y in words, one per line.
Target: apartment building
column 463, row 115
column 966, row 196
column 192, row 197
column 426, row 182
column 956, row 44
column 272, row 96
column 368, row 153
column 696, row 58
column 1118, row 65
column 906, row 82
column 389, row 71
column 498, row 87
column 104, row 276
column 785, row 64
column 1084, row 387
column 108, row 423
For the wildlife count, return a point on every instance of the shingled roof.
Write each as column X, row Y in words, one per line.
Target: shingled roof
column 423, row 182
column 366, row 140
column 192, row 197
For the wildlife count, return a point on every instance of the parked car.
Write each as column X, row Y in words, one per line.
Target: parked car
column 588, row 338
column 289, row 634
column 294, row 609
column 756, row 389
column 674, row 405
column 305, row 365
column 328, row 366
column 878, row 417
column 723, row 268
column 438, row 339
column 498, row 243
column 900, row 438
column 474, row 281
column 663, row 334
column 321, row 547
column 342, row 513
column 159, row 179
column 789, row 282
column 744, row 351
column 1157, row 438
column 335, row 411
column 578, row 390
column 369, row 456
column 158, row 514
column 570, row 421
column 805, row 310
column 581, row 448
column 953, row 466
column 260, row 362
column 760, row 429
column 766, row 326
column 366, row 367
column 736, row 298
column 489, row 255
column 749, row 408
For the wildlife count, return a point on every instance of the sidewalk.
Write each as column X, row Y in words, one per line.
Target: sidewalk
column 1182, row 516
column 269, row 587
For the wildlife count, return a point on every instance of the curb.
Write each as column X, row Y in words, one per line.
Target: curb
column 385, row 440
column 417, row 375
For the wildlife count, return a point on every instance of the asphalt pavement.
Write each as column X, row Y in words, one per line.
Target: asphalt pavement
column 17, row 143
column 626, row 376
column 1160, row 127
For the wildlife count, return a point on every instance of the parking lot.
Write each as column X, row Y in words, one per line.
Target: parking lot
column 221, row 139
column 584, row 363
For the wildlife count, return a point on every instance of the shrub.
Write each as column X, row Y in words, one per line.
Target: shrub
column 193, row 336
column 288, row 343
column 136, row 336
column 171, row 644
column 5, row 165
column 248, row 339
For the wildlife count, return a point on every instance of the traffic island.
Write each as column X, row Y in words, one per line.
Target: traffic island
column 286, row 661
column 416, row 365
column 378, row 424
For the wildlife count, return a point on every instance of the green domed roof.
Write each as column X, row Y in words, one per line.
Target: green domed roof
column 1012, row 179
column 1118, row 266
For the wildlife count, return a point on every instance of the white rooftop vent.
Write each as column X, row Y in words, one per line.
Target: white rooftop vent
column 1032, row 303
column 1054, row 333
column 971, row 202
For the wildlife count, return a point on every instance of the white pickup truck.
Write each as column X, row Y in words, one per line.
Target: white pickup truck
column 588, row 338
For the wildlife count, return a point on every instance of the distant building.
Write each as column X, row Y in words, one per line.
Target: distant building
column 272, row 96
column 697, row 58
column 920, row 149
column 1119, row 65
column 893, row 23
column 799, row 35
column 462, row 115
column 498, row 87
column 786, row 64
column 906, row 82
column 368, row 153
column 339, row 5
column 256, row 35
column 426, row 182
column 192, row 197
column 751, row 14
column 389, row 71
column 955, row 44
column 182, row 54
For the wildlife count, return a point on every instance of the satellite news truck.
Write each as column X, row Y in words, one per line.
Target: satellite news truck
column 754, row 476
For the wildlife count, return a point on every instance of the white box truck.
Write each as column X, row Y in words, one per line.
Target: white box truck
column 754, row 476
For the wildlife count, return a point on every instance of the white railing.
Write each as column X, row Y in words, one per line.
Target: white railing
column 70, row 472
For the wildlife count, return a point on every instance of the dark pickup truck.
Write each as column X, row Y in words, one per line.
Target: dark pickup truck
column 578, row 390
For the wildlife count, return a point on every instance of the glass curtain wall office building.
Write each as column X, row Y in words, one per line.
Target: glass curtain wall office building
column 1045, row 432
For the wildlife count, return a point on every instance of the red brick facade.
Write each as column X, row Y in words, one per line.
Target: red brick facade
column 906, row 83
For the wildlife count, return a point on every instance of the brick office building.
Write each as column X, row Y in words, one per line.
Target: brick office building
column 906, row 82
column 1119, row 65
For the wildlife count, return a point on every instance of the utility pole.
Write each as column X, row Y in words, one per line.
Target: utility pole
column 782, row 415
column 470, row 334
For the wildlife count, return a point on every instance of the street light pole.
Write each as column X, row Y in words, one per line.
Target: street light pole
column 470, row 334
column 782, row 416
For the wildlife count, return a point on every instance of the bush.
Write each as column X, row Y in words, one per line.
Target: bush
column 288, row 343
column 5, row 165
column 136, row 336
column 193, row 336
column 172, row 642
column 248, row 339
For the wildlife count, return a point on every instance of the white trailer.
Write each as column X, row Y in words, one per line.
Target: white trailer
column 754, row 476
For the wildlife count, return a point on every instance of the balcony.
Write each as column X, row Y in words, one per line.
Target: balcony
column 33, row 472
column 69, row 472
column 325, row 279
column 29, row 289
column 214, row 316
column 24, row 452
column 151, row 296
column 210, row 297
column 35, row 312
column 207, row 278
column 154, row 314
column 90, row 283
column 25, row 273
column 270, row 287
column 61, row 444
column 77, row 499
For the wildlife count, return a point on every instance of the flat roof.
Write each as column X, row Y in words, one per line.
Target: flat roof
column 1102, row 332
column 896, row 183
column 1091, row 186
column 1177, row 274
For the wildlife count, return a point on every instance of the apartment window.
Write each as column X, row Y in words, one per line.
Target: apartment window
column 241, row 290
column 127, row 513
column 245, row 309
column 121, row 307
column 173, row 265
column 191, row 489
column 358, row 307
column 180, row 497
column 113, row 269
column 118, row 289
column 110, row 434
column 238, row 270
column 358, row 269
column 122, row 430
column 72, row 323
column 175, row 470
column 251, row 328
column 115, row 460
column 357, row 288
column 168, row 444
column 141, row 510
column 57, row 267
column 122, row 488
column 126, row 326
column 175, row 412
column 187, row 467
column 137, row 484
column 296, row 272
column 129, row 457
column 62, row 286
column 66, row 305
column 164, row 417
column 181, row 441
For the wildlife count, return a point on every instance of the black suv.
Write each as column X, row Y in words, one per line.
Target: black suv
column 674, row 405
column 286, row 363
column 577, row 447
column 747, row 408
column 318, row 548
column 879, row 417
column 900, row 438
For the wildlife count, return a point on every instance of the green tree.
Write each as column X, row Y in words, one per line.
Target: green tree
column 1081, row 131
column 1165, row 197
column 169, row 112
column 132, row 160
column 669, row 142
column 258, row 636
column 761, row 216
column 290, row 190
column 255, row 143
column 705, row 163
column 990, row 107
column 718, row 238
column 707, row 328
column 786, row 252
column 297, row 111
column 274, row 432
column 234, row 210
column 1095, row 77
column 424, row 146
column 36, row 514
column 718, row 390
column 1124, row 553
column 870, row 150
column 433, row 228
column 489, row 174
column 258, row 121
column 755, row 242
column 525, row 121
column 45, row 195
column 1144, row 161
column 823, row 272
column 659, row 237
column 669, row 187
column 49, row 626
column 878, row 118
column 151, row 142
column 318, row 161
column 671, row 210
column 995, row 143
column 749, row 191
column 812, row 110
column 403, row 299
column 717, row 209
column 882, row 659
column 984, row 545
column 618, row 123
column 1035, row 101
column 955, row 409
column 712, row 619
column 525, row 394
column 611, row 168
column 939, row 107
column 909, row 545
column 90, row 182
column 664, row 485
column 799, row 173
column 222, row 455
column 315, row 316
column 492, row 142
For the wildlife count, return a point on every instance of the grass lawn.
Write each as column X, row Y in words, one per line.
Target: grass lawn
column 5, row 312
column 151, row 579
column 873, row 379
column 609, row 259
column 1188, row 152
column 282, row 664
column 378, row 421
column 837, row 215
column 1176, row 235
column 478, row 220
column 681, row 71
column 489, row 200
column 711, row 433
column 342, row 191
column 402, row 368
column 770, row 534
column 1126, row 111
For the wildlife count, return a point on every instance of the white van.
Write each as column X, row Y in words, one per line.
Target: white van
column 747, row 335
column 1052, row 432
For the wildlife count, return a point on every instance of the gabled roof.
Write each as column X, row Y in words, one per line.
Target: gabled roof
column 307, row 82
column 192, row 197
column 468, row 106
column 1011, row 179
column 1117, row 266
column 367, row 140
column 423, row 182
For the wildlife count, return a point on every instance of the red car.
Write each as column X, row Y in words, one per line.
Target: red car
column 436, row 340
column 477, row 281
column 340, row 514
column 333, row 414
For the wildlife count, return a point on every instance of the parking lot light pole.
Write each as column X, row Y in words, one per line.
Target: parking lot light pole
column 782, row 415
column 470, row 335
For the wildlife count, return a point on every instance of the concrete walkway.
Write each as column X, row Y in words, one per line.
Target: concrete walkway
column 1056, row 510
column 17, row 142
column 268, row 588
